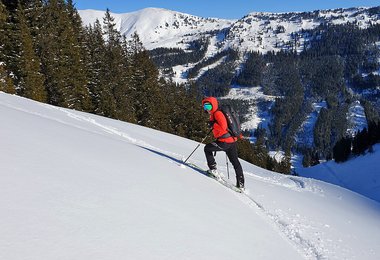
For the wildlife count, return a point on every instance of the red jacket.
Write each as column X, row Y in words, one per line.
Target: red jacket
column 220, row 126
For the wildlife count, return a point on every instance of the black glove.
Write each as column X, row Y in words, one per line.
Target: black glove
column 211, row 124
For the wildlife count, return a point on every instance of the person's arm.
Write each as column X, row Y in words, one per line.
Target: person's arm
column 220, row 124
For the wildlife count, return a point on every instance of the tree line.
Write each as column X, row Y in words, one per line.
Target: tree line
column 46, row 54
column 358, row 144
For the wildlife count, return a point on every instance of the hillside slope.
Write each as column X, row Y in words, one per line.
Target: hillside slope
column 79, row 186
column 360, row 174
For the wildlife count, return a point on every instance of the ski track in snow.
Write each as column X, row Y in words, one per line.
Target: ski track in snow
column 289, row 231
column 287, row 226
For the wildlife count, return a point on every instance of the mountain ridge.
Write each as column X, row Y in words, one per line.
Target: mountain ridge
column 253, row 32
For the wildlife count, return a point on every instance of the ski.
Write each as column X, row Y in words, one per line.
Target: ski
column 221, row 180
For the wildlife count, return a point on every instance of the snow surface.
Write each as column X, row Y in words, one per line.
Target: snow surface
column 79, row 186
column 360, row 174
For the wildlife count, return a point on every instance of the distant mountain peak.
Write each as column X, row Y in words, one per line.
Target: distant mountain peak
column 257, row 31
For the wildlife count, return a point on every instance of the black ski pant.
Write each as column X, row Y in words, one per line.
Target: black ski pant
column 231, row 151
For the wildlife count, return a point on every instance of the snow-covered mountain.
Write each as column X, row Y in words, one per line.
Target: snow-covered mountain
column 254, row 32
column 79, row 186
column 158, row 27
column 265, row 32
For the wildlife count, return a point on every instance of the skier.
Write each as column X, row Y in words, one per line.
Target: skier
column 224, row 141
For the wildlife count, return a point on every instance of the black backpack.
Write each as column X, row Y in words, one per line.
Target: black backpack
column 233, row 121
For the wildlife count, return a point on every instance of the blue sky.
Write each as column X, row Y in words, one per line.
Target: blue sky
column 232, row 9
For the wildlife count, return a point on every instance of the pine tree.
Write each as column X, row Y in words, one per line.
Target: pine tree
column 115, row 72
column 76, row 20
column 62, row 59
column 30, row 79
column 34, row 15
column 102, row 98
column 149, row 101
column 186, row 117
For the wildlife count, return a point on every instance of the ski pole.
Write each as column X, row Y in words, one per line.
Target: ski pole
column 198, row 146
column 228, row 170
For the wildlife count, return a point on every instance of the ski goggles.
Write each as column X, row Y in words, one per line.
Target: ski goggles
column 207, row 106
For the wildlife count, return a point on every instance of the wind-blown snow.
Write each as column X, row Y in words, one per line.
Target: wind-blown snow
column 79, row 186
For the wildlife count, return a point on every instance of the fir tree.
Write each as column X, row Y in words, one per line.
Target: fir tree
column 30, row 79
column 62, row 59
column 115, row 73
column 149, row 101
column 34, row 15
column 102, row 98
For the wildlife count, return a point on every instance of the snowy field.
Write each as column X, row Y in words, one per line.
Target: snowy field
column 78, row 186
column 360, row 174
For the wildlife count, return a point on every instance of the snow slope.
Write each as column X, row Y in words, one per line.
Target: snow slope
column 360, row 174
column 78, row 186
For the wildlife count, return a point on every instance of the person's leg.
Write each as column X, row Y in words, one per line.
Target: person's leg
column 209, row 150
column 233, row 157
